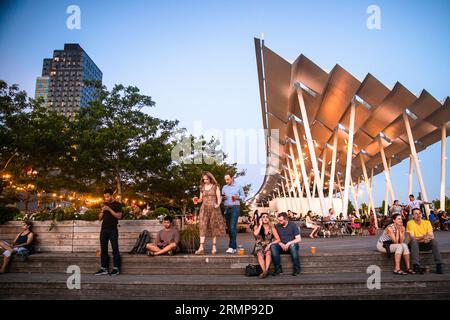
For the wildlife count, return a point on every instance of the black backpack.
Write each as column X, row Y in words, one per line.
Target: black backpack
column 141, row 243
column 253, row 270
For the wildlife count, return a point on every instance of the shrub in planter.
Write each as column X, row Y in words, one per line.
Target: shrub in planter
column 8, row 213
column 190, row 238
column 90, row 215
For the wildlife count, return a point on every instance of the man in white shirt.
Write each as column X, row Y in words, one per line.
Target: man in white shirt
column 414, row 204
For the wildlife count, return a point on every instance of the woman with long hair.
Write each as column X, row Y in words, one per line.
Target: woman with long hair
column 265, row 235
column 22, row 244
column 311, row 224
column 393, row 240
column 211, row 221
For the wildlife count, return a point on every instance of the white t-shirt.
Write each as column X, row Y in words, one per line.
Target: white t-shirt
column 414, row 204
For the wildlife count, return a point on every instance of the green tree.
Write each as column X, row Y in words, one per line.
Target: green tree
column 116, row 143
column 182, row 179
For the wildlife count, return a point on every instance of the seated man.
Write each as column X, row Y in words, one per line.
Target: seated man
column 289, row 234
column 422, row 239
column 166, row 241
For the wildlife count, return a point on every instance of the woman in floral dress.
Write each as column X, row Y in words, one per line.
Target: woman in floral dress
column 211, row 221
column 265, row 235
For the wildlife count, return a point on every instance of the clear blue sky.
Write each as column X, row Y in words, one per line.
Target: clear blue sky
column 197, row 60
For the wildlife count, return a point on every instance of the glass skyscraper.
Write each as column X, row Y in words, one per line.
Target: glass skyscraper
column 62, row 82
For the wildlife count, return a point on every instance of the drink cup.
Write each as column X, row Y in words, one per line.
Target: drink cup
column 313, row 250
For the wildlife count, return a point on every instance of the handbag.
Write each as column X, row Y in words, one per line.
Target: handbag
column 387, row 246
column 253, row 270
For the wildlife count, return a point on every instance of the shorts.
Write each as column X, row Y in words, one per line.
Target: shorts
column 19, row 250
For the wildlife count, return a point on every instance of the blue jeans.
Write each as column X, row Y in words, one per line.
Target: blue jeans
column 113, row 237
column 232, row 215
column 276, row 250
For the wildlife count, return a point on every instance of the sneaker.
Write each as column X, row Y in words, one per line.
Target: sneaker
column 115, row 272
column 277, row 272
column 296, row 273
column 439, row 269
column 231, row 250
column 101, row 272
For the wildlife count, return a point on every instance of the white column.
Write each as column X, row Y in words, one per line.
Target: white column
column 355, row 198
column 302, row 164
column 368, row 182
column 314, row 185
column 333, row 167
column 297, row 177
column 416, row 162
column 387, row 172
column 293, row 185
column 443, row 140
column 348, row 166
column 386, row 200
column 290, row 203
column 324, row 167
column 410, row 176
column 312, row 151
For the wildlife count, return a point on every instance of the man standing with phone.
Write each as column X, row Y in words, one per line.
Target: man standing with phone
column 232, row 195
column 110, row 214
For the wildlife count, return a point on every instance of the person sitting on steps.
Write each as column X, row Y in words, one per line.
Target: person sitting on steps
column 422, row 239
column 22, row 244
column 166, row 241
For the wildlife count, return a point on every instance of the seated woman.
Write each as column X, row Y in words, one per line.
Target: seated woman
column 392, row 240
column 354, row 226
column 310, row 224
column 265, row 235
column 443, row 220
column 21, row 244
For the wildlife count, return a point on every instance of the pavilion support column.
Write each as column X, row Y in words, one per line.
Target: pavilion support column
column 314, row 185
column 324, row 167
column 293, row 185
column 368, row 182
column 297, row 179
column 348, row 166
column 289, row 202
column 443, row 141
column 355, row 198
column 340, row 191
column 410, row 176
column 416, row 162
column 333, row 168
column 386, row 200
column 387, row 171
column 312, row 151
column 302, row 164
column 285, row 199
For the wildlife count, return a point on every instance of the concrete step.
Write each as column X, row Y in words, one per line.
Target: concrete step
column 226, row 265
column 332, row 286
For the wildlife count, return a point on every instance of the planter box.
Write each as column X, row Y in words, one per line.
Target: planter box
column 77, row 235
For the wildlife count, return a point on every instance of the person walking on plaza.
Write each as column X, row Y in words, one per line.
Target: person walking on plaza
column 266, row 236
column 211, row 222
column 110, row 214
column 422, row 239
column 232, row 194
column 392, row 241
column 290, row 238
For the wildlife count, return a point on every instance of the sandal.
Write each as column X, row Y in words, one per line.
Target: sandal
column 150, row 253
column 400, row 273
column 410, row 271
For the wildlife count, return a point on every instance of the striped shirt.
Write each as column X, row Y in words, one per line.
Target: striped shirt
column 384, row 237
